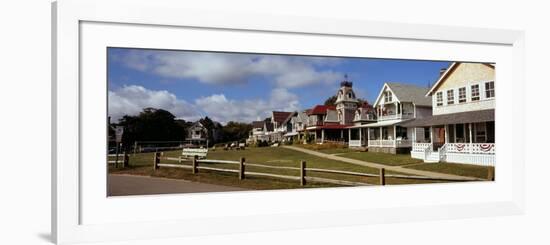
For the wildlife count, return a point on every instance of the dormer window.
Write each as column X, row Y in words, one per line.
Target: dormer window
column 349, row 95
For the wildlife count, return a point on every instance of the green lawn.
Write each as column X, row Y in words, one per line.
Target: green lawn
column 383, row 158
column 141, row 164
column 456, row 168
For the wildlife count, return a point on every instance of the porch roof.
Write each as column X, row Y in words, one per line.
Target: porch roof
column 290, row 134
column 454, row 118
column 382, row 123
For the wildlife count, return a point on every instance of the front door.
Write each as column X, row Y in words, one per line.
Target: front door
column 439, row 135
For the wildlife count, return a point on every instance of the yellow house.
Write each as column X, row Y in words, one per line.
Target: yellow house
column 462, row 126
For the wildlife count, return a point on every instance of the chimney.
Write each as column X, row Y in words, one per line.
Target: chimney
column 441, row 71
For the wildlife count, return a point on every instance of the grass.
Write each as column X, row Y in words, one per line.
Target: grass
column 141, row 164
column 328, row 148
column 456, row 168
column 383, row 158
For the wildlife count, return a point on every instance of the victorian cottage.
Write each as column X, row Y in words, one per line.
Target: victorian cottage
column 462, row 128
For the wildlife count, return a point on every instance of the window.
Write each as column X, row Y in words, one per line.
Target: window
column 481, row 132
column 450, row 97
column 439, row 97
column 475, row 92
column 490, row 89
column 401, row 132
column 388, row 96
column 462, row 95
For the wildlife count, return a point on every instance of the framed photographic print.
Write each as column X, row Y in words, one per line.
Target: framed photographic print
column 277, row 123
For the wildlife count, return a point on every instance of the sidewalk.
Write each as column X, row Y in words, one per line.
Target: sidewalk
column 378, row 165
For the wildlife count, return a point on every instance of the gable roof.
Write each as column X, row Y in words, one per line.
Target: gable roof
column 411, row 93
column 407, row 93
column 290, row 116
column 446, row 74
column 280, row 116
column 321, row 109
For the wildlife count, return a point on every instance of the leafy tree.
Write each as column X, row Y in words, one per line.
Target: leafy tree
column 235, row 131
column 331, row 100
column 151, row 125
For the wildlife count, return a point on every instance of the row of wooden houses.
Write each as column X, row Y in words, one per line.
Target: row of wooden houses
column 452, row 121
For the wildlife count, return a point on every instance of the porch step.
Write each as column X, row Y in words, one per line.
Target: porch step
column 432, row 158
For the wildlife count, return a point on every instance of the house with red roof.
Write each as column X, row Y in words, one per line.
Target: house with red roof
column 333, row 123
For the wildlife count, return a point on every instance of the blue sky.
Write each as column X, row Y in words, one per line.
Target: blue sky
column 245, row 87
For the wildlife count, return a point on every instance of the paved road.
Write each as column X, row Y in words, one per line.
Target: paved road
column 121, row 185
column 377, row 165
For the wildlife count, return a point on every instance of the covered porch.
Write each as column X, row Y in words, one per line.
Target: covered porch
column 386, row 134
column 467, row 137
column 329, row 134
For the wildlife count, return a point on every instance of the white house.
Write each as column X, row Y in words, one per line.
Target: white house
column 462, row 128
column 396, row 104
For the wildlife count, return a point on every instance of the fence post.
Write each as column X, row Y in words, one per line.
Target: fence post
column 303, row 173
column 382, row 176
column 125, row 160
column 491, row 174
column 179, row 159
column 241, row 168
column 195, row 164
column 156, row 160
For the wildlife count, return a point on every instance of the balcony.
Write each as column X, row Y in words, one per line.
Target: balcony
column 405, row 115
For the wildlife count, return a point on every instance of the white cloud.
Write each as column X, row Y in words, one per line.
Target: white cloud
column 221, row 109
column 130, row 100
column 227, row 68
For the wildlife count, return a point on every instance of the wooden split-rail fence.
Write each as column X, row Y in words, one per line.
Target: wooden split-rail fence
column 304, row 178
column 116, row 159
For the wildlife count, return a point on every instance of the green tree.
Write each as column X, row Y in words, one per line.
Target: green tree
column 151, row 125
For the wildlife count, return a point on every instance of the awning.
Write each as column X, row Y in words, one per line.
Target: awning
column 382, row 123
column 453, row 118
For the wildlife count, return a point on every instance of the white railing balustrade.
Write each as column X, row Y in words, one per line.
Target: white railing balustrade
column 474, row 148
column 403, row 143
column 390, row 143
column 420, row 146
column 355, row 143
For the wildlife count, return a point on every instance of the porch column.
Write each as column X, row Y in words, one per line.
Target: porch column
column 414, row 135
column 315, row 136
column 349, row 134
column 470, row 131
column 394, row 135
column 342, row 134
column 431, row 135
column 368, row 135
column 381, row 136
column 446, row 133
column 322, row 136
column 360, row 140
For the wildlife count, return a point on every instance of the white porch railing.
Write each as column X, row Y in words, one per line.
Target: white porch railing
column 420, row 147
column 396, row 116
column 473, row 148
column 355, row 143
column 390, row 143
column 403, row 143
